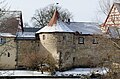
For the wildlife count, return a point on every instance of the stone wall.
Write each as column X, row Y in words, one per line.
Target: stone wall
column 24, row 47
column 62, row 49
column 48, row 45
column 68, row 52
column 8, row 54
column 92, row 54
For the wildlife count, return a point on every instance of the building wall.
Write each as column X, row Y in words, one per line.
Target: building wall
column 68, row 52
column 8, row 54
column 25, row 47
column 48, row 45
column 31, row 51
column 92, row 54
column 65, row 50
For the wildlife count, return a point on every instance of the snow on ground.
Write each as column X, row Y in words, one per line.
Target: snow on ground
column 22, row 73
column 82, row 71
column 74, row 72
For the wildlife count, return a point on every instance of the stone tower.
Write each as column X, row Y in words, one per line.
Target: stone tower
column 57, row 39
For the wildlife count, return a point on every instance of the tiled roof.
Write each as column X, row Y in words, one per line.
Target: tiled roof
column 9, row 26
column 29, row 33
column 30, row 29
column 54, row 18
column 11, row 22
column 85, row 27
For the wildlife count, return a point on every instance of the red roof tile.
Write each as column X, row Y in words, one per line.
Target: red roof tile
column 54, row 18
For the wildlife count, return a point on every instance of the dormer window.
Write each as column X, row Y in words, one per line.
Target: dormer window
column 2, row 40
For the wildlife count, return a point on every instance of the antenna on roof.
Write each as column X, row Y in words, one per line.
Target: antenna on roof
column 57, row 3
column 56, row 6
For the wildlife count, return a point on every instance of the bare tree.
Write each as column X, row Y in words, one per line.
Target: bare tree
column 38, row 61
column 111, row 60
column 108, row 57
column 104, row 9
column 43, row 15
column 105, row 6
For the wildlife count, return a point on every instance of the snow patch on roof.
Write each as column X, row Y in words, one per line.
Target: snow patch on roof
column 7, row 35
column 58, row 27
column 26, row 34
column 85, row 27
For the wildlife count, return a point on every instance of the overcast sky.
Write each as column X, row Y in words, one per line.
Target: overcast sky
column 82, row 10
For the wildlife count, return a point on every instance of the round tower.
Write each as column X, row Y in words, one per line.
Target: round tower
column 56, row 39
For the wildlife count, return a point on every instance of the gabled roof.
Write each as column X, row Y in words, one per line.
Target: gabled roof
column 11, row 22
column 110, row 27
column 55, row 25
column 118, row 8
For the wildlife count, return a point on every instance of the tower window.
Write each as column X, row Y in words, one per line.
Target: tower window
column 8, row 54
column 81, row 40
column 64, row 37
column 95, row 41
column 43, row 37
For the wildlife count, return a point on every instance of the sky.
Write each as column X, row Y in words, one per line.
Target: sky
column 82, row 10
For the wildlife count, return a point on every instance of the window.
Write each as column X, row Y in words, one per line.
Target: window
column 2, row 40
column 43, row 37
column 8, row 54
column 67, row 55
column 95, row 41
column 38, row 44
column 81, row 40
column 64, row 37
column 73, row 59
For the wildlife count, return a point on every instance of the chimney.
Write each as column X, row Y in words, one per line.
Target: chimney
column 69, row 21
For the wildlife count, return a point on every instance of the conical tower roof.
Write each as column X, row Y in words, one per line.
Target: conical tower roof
column 55, row 25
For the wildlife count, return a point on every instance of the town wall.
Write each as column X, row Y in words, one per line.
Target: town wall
column 8, row 54
column 25, row 47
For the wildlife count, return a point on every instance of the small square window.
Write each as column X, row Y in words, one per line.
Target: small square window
column 95, row 41
column 81, row 40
